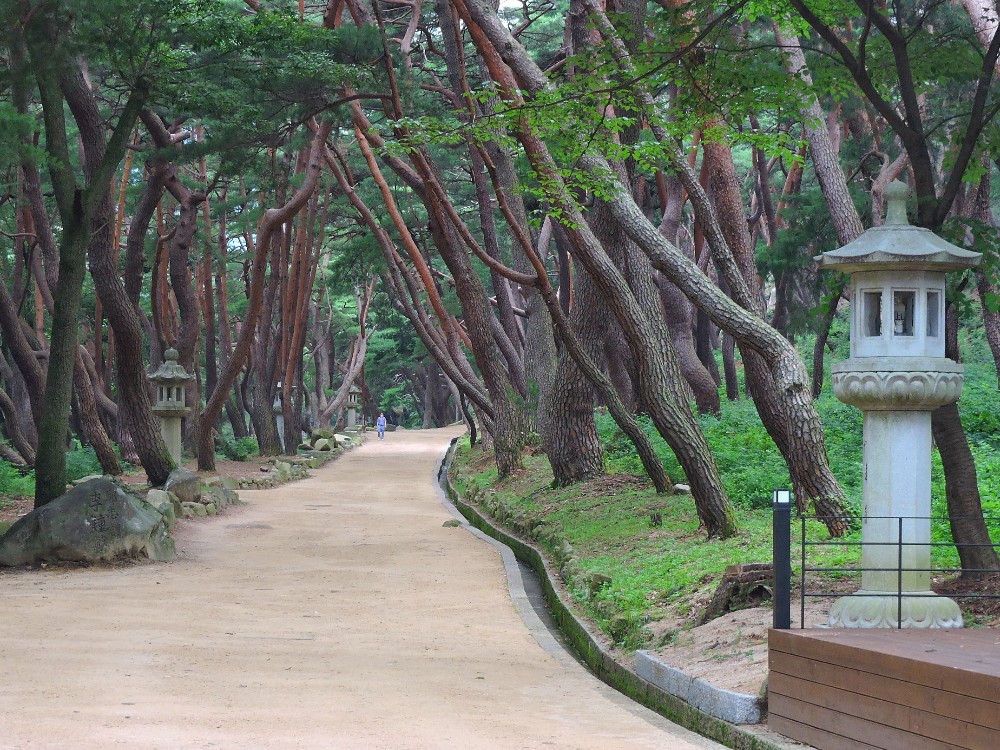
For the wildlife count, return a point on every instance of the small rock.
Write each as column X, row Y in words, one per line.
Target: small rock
column 196, row 509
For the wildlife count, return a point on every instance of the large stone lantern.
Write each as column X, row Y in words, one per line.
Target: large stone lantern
column 353, row 404
column 171, row 382
column 897, row 374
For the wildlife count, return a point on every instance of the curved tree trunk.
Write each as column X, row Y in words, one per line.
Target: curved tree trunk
column 78, row 208
column 711, row 502
column 569, row 437
column 13, row 429
column 539, row 342
column 623, row 417
column 965, row 510
column 822, row 337
column 90, row 420
column 22, row 353
column 677, row 311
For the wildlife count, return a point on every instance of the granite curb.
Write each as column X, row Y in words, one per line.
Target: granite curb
column 692, row 714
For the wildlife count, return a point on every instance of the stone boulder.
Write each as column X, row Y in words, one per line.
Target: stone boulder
column 94, row 522
column 166, row 503
column 186, row 485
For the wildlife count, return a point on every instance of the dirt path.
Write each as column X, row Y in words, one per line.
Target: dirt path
column 335, row 612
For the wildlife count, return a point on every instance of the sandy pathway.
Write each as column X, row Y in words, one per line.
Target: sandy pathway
column 335, row 612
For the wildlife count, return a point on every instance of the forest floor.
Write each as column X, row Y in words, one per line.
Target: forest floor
column 337, row 611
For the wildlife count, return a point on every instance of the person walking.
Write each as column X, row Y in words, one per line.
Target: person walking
column 380, row 426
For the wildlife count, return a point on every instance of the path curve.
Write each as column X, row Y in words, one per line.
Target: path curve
column 334, row 612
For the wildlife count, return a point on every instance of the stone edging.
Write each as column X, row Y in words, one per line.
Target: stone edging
column 600, row 661
column 288, row 469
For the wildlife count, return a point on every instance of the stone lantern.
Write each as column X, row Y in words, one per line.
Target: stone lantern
column 897, row 374
column 353, row 404
column 171, row 381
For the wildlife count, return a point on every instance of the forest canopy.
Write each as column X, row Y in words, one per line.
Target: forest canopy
column 506, row 217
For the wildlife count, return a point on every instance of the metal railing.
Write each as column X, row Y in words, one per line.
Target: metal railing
column 782, row 552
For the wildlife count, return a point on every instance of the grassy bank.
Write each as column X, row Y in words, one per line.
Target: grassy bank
column 640, row 583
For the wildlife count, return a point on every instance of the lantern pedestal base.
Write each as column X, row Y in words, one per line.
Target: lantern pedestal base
column 876, row 609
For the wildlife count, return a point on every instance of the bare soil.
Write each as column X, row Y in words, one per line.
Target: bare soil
column 335, row 612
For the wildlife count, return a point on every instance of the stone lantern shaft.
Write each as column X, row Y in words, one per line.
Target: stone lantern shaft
column 171, row 381
column 897, row 374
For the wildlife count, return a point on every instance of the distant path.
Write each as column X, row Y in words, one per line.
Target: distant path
column 334, row 612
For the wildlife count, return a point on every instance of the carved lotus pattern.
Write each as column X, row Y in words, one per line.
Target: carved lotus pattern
column 889, row 390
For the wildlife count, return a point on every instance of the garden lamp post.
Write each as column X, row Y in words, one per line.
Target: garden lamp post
column 897, row 374
column 353, row 402
column 171, row 382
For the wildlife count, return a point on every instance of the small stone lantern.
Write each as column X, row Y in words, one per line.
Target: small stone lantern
column 897, row 374
column 171, row 381
column 353, row 404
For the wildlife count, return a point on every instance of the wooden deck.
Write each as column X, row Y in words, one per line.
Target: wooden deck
column 889, row 689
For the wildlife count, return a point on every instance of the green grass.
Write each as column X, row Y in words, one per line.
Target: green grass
column 655, row 572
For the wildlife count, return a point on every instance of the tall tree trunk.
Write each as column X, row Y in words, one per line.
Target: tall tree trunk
column 569, row 436
column 26, row 422
column 137, row 415
column 50, row 460
column 13, row 429
column 661, row 384
column 22, row 354
column 78, row 207
column 90, row 420
column 677, row 310
column 810, row 478
column 965, row 508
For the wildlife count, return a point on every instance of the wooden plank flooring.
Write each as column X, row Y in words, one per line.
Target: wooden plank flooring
column 891, row 689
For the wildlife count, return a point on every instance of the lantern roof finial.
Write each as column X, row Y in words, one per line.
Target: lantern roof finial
column 895, row 195
column 898, row 245
column 170, row 371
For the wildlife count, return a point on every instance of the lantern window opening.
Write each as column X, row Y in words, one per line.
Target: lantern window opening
column 933, row 314
column 871, row 313
column 903, row 312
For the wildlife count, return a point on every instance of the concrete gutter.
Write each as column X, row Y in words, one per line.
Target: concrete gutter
column 693, row 707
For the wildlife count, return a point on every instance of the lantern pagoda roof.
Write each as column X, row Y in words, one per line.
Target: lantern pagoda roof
column 170, row 371
column 897, row 245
